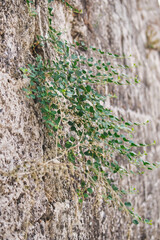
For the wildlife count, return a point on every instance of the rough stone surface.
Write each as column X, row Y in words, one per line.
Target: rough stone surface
column 43, row 206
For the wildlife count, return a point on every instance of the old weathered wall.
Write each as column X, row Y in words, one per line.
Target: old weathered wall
column 40, row 206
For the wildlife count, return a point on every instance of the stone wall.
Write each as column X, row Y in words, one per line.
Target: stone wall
column 40, row 206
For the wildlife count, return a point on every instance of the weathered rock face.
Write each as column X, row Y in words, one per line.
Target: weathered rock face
column 43, row 205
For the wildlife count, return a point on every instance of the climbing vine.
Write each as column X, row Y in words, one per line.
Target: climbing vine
column 31, row 10
column 84, row 131
column 68, row 4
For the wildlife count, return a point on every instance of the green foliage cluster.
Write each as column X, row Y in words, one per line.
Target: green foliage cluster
column 68, row 5
column 31, row 10
column 84, row 131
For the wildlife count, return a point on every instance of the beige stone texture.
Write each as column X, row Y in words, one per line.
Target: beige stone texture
column 42, row 204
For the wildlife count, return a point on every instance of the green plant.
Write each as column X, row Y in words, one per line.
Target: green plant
column 71, row 6
column 75, row 10
column 32, row 11
column 84, row 131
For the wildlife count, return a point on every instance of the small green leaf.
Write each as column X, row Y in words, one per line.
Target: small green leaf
column 89, row 162
column 83, row 184
column 93, row 48
column 134, row 144
column 90, row 190
column 95, row 178
column 148, row 221
column 32, row 96
column 59, row 145
column 127, row 204
column 72, row 138
column 109, row 197
column 50, row 11
column 115, row 188
column 132, row 154
column 135, row 222
column 80, row 200
column 68, row 144
column 85, row 195
column 146, row 163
